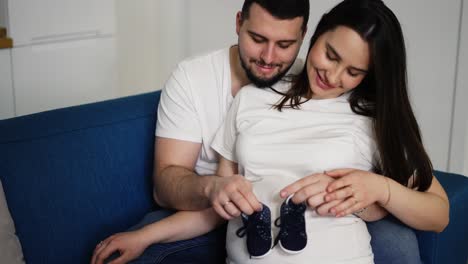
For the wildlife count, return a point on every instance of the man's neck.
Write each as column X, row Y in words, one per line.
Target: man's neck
column 238, row 76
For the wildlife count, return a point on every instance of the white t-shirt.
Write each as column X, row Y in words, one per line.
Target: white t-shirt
column 274, row 149
column 195, row 101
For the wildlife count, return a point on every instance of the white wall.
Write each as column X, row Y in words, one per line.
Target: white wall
column 3, row 14
column 137, row 44
column 432, row 39
column 173, row 36
column 6, row 85
column 151, row 37
column 65, row 58
column 465, row 166
column 187, row 28
column 459, row 147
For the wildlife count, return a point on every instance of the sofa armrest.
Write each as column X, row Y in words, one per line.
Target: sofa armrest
column 451, row 245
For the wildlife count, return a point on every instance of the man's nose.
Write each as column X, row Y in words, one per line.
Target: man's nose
column 268, row 54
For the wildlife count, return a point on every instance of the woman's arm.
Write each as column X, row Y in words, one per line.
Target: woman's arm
column 427, row 210
column 179, row 226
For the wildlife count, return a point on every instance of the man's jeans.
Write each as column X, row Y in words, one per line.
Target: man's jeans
column 392, row 242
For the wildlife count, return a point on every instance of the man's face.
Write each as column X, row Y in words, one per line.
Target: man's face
column 268, row 46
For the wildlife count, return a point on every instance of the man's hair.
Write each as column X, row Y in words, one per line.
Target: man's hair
column 281, row 9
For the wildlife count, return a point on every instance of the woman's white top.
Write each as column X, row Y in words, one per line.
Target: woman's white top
column 274, row 149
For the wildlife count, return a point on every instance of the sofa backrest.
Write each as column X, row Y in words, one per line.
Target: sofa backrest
column 73, row 176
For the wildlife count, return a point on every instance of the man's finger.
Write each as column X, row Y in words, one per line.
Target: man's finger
column 231, row 209
column 221, row 212
column 250, row 197
column 242, row 203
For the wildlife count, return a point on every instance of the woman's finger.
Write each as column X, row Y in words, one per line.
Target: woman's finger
column 340, row 183
column 348, row 203
column 324, row 209
column 338, row 172
column 299, row 184
column 316, row 200
column 340, row 194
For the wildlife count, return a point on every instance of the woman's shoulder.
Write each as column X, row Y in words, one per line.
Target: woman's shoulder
column 267, row 93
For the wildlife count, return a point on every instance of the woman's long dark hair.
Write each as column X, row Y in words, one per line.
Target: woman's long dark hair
column 382, row 95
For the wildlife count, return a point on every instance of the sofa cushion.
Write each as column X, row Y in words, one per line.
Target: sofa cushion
column 73, row 176
column 10, row 248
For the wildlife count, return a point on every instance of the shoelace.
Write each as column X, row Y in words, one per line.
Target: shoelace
column 285, row 226
column 249, row 225
column 242, row 231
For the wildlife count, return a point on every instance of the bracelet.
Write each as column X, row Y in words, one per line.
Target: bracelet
column 359, row 212
column 389, row 192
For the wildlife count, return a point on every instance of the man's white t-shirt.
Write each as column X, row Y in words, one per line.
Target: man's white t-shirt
column 274, row 149
column 195, row 101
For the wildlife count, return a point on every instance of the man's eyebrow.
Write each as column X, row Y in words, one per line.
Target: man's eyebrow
column 285, row 41
column 256, row 34
column 336, row 54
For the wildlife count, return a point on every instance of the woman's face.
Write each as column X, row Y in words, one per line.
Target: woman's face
column 337, row 63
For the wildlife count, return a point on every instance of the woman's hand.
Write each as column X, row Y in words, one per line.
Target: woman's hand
column 356, row 189
column 312, row 190
column 129, row 244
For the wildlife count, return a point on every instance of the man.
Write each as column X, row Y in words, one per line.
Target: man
column 192, row 107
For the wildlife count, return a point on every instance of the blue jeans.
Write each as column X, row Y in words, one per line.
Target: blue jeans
column 392, row 242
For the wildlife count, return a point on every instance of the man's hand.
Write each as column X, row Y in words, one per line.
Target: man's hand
column 232, row 195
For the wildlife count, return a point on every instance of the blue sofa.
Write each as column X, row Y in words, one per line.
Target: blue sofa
column 73, row 176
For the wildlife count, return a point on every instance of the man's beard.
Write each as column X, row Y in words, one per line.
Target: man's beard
column 259, row 82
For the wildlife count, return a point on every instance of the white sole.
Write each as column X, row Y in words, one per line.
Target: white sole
column 290, row 251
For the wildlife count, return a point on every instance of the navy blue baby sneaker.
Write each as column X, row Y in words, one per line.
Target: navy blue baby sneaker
column 257, row 227
column 292, row 236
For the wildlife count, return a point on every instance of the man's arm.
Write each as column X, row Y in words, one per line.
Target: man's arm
column 176, row 185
